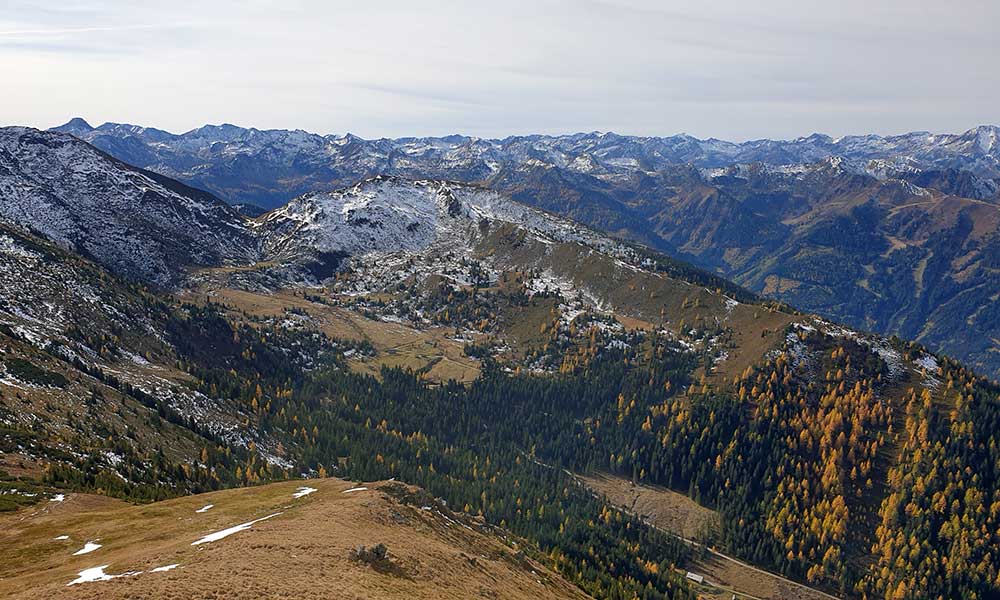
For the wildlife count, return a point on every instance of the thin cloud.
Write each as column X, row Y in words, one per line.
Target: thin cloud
column 419, row 94
column 76, row 30
column 726, row 69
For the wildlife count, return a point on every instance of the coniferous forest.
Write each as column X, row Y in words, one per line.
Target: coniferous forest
column 826, row 473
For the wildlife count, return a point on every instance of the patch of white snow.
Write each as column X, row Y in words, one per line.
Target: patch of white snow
column 87, row 548
column 928, row 363
column 98, row 574
column 218, row 535
column 304, row 491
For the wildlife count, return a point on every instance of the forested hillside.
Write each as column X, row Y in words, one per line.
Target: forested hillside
column 451, row 338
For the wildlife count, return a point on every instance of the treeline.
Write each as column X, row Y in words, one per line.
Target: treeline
column 486, row 449
column 472, row 446
column 818, row 466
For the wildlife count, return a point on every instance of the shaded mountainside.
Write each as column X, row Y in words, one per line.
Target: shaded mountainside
column 138, row 223
column 96, row 385
column 881, row 254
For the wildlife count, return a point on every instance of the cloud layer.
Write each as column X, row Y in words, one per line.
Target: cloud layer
column 730, row 69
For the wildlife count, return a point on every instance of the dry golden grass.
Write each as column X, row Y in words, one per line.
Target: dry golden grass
column 303, row 552
column 397, row 345
column 756, row 331
column 670, row 510
column 678, row 514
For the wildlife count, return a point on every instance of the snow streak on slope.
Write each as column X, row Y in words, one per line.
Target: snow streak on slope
column 135, row 223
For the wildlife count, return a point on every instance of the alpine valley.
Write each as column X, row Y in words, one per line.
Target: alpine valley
column 242, row 363
column 896, row 235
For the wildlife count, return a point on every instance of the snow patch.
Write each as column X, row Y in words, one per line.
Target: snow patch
column 98, row 574
column 218, row 535
column 304, row 491
column 92, row 574
column 87, row 548
column 928, row 362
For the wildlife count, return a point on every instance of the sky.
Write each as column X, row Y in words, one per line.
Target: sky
column 731, row 69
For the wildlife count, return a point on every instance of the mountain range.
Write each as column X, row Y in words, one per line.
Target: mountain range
column 891, row 234
column 502, row 357
column 268, row 167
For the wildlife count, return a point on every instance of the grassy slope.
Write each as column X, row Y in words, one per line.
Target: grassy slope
column 302, row 553
column 397, row 345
